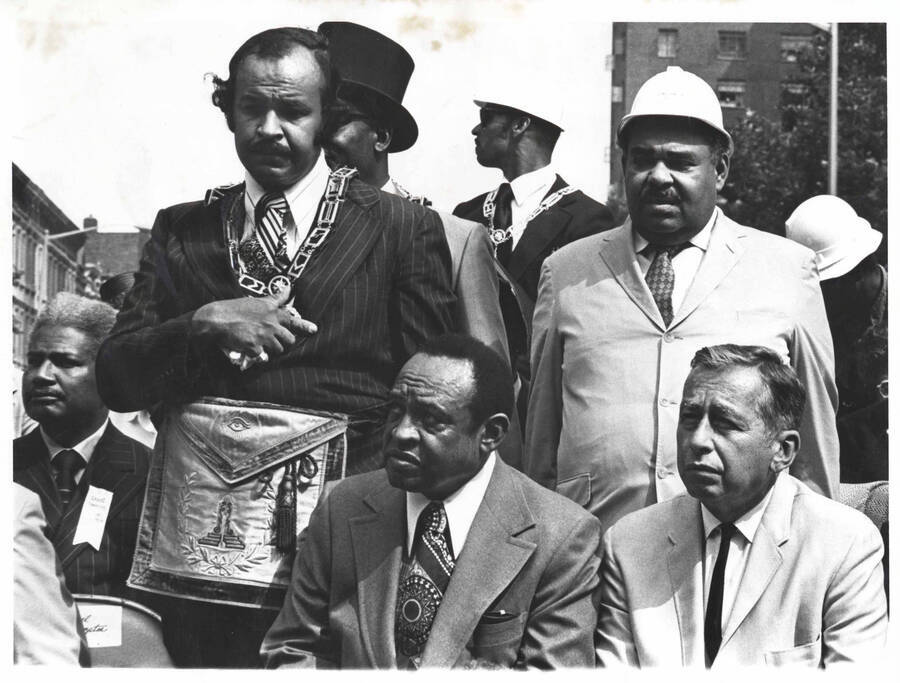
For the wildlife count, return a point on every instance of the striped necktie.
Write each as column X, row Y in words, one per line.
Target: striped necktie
column 270, row 216
column 423, row 583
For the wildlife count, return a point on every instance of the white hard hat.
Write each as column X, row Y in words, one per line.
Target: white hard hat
column 830, row 227
column 675, row 92
column 526, row 98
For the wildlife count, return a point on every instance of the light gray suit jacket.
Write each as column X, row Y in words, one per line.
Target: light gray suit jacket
column 607, row 374
column 812, row 592
column 45, row 619
column 522, row 592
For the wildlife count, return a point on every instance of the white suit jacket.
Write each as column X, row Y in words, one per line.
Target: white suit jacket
column 812, row 592
column 607, row 374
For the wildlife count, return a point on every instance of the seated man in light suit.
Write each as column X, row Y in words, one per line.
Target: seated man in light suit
column 448, row 557
column 752, row 567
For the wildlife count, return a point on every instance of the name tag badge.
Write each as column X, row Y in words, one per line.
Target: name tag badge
column 93, row 517
column 102, row 624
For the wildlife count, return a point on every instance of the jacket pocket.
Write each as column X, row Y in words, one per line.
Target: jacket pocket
column 809, row 654
column 576, row 489
column 491, row 632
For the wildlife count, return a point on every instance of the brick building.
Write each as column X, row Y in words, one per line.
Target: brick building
column 749, row 65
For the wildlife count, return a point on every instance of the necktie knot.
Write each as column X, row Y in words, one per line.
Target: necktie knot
column 274, row 201
column 727, row 531
column 434, row 519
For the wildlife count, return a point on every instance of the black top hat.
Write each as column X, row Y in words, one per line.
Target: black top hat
column 375, row 64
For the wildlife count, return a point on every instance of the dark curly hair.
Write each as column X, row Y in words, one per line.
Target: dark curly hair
column 275, row 43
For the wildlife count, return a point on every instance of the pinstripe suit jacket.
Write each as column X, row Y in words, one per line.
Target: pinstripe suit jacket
column 376, row 290
column 120, row 465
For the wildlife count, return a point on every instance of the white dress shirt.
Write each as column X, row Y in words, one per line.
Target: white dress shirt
column 461, row 507
column 529, row 189
column 685, row 263
column 85, row 449
column 302, row 197
column 738, row 552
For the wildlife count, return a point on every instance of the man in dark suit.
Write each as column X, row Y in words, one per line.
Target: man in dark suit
column 370, row 123
column 77, row 454
column 448, row 557
column 298, row 287
column 532, row 213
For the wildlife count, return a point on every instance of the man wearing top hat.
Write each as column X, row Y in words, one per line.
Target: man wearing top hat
column 534, row 211
column 369, row 123
column 620, row 315
column 299, row 287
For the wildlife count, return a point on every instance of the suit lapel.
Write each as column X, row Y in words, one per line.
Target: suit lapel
column 205, row 249
column 617, row 252
column 540, row 232
column 355, row 231
column 722, row 254
column 35, row 472
column 378, row 540
column 685, row 562
column 765, row 556
column 492, row 556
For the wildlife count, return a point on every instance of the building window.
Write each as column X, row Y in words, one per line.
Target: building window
column 731, row 94
column 732, row 45
column 618, row 45
column 793, row 46
column 667, row 42
column 617, row 93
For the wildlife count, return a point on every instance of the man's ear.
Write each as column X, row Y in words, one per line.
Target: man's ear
column 383, row 137
column 722, row 167
column 519, row 125
column 787, row 443
column 493, row 432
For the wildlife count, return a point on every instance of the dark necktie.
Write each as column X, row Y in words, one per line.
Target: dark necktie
column 660, row 277
column 712, row 626
column 67, row 464
column 423, row 584
column 270, row 219
column 503, row 219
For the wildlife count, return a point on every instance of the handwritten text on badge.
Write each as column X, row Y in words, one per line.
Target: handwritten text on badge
column 93, row 517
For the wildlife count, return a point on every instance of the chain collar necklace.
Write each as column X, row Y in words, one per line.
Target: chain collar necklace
column 335, row 193
column 406, row 194
column 499, row 236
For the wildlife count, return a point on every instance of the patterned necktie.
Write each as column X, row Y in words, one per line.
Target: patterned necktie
column 503, row 219
column 270, row 218
column 712, row 626
column 67, row 464
column 423, row 583
column 660, row 277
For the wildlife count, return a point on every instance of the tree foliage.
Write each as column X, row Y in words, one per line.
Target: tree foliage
column 778, row 164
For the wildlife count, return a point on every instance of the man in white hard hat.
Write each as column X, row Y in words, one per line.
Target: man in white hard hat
column 534, row 211
column 620, row 315
column 854, row 285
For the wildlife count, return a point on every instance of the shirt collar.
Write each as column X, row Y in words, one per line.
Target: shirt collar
column 85, row 448
column 701, row 239
column 747, row 523
column 461, row 507
column 313, row 182
column 532, row 182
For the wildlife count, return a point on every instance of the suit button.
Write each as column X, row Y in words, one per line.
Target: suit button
column 662, row 474
column 668, row 337
column 664, row 402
